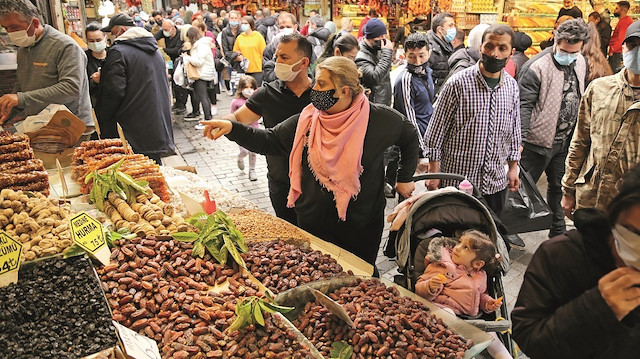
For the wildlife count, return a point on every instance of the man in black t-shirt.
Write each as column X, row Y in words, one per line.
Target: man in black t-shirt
column 275, row 102
column 568, row 8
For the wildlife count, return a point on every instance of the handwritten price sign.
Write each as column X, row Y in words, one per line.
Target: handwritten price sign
column 10, row 252
column 88, row 234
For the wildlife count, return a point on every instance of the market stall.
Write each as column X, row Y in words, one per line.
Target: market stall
column 212, row 284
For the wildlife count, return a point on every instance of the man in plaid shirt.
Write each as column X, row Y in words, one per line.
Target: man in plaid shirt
column 475, row 128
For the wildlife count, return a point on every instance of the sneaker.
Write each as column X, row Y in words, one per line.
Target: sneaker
column 179, row 111
column 229, row 92
column 241, row 163
column 200, row 127
column 193, row 116
column 515, row 241
column 252, row 175
column 214, row 110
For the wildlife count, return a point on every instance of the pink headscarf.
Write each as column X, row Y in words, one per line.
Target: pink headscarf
column 335, row 151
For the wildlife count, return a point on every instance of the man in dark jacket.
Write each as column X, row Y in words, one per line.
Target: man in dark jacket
column 579, row 298
column 522, row 43
column 318, row 34
column 287, row 25
column 268, row 27
column 134, row 91
column 443, row 31
column 173, row 48
column 374, row 60
column 604, row 30
column 228, row 39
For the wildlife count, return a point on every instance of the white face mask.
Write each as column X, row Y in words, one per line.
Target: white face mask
column 21, row 38
column 247, row 92
column 97, row 46
column 166, row 33
column 627, row 245
column 285, row 31
column 285, row 72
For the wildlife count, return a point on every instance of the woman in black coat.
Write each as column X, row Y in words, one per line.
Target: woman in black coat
column 581, row 292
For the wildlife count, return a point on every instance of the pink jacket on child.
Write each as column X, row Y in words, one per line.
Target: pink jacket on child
column 464, row 291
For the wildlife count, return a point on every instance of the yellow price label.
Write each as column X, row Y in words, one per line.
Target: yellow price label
column 87, row 232
column 10, row 252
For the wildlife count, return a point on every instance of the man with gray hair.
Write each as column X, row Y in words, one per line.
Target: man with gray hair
column 51, row 66
column 551, row 86
column 318, row 34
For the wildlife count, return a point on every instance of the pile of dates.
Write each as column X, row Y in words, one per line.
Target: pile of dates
column 280, row 265
column 57, row 310
column 156, row 288
column 386, row 325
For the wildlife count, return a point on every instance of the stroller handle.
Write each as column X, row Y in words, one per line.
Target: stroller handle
column 444, row 176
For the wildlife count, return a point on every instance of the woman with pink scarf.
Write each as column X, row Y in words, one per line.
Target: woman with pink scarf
column 335, row 148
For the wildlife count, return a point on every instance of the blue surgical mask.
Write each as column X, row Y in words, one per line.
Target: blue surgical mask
column 244, row 27
column 631, row 60
column 450, row 35
column 563, row 58
column 137, row 18
column 234, row 23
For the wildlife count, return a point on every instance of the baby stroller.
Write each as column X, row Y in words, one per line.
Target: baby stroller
column 445, row 212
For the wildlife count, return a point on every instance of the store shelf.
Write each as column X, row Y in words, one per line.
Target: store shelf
column 481, row 12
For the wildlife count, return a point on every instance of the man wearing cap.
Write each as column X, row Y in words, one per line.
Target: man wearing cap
column 551, row 85
column 134, row 91
column 606, row 141
column 374, row 60
column 51, row 66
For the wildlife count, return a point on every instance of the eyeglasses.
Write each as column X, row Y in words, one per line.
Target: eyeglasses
column 415, row 44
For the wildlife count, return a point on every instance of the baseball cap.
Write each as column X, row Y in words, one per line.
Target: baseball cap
column 118, row 20
column 633, row 30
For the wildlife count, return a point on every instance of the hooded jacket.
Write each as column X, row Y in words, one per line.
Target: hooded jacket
column 134, row 92
column 376, row 68
column 318, row 38
column 227, row 40
column 605, row 143
column 462, row 59
column 560, row 312
column 438, row 61
column 268, row 27
column 202, row 58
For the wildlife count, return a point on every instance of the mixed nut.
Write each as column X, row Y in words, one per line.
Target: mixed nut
column 40, row 223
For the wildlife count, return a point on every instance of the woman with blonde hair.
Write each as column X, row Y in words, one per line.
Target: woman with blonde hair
column 598, row 65
column 335, row 148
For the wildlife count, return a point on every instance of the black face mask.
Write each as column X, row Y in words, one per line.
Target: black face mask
column 377, row 45
column 417, row 69
column 493, row 65
column 323, row 100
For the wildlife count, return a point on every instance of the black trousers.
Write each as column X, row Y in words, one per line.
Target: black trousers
column 258, row 77
column 496, row 201
column 278, row 193
column 200, row 95
column 553, row 165
column 392, row 159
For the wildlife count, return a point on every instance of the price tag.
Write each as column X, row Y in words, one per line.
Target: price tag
column 335, row 308
column 10, row 252
column 88, row 234
column 137, row 346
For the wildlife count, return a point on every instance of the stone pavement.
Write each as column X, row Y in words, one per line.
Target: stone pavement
column 217, row 162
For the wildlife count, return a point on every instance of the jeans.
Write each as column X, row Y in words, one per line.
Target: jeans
column 199, row 96
column 553, row 164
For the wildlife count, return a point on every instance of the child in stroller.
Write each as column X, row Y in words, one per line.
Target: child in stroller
column 455, row 278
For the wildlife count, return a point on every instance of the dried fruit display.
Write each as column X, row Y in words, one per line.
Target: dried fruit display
column 19, row 169
column 386, row 324
column 155, row 287
column 40, row 223
column 420, row 7
column 57, row 308
column 280, row 265
column 256, row 224
column 97, row 155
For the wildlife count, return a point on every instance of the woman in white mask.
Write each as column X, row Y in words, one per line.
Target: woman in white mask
column 581, row 292
column 96, row 54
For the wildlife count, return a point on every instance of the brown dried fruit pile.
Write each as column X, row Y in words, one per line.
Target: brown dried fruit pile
column 280, row 265
column 386, row 325
column 155, row 287
column 259, row 224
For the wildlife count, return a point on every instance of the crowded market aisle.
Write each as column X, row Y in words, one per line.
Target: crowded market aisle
column 216, row 161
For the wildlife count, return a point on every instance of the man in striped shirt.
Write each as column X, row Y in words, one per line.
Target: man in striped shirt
column 475, row 128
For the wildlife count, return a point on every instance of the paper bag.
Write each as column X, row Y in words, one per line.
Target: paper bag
column 52, row 130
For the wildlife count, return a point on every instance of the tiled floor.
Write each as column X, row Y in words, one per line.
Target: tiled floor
column 217, row 162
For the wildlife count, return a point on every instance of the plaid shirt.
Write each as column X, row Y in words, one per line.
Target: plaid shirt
column 475, row 129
